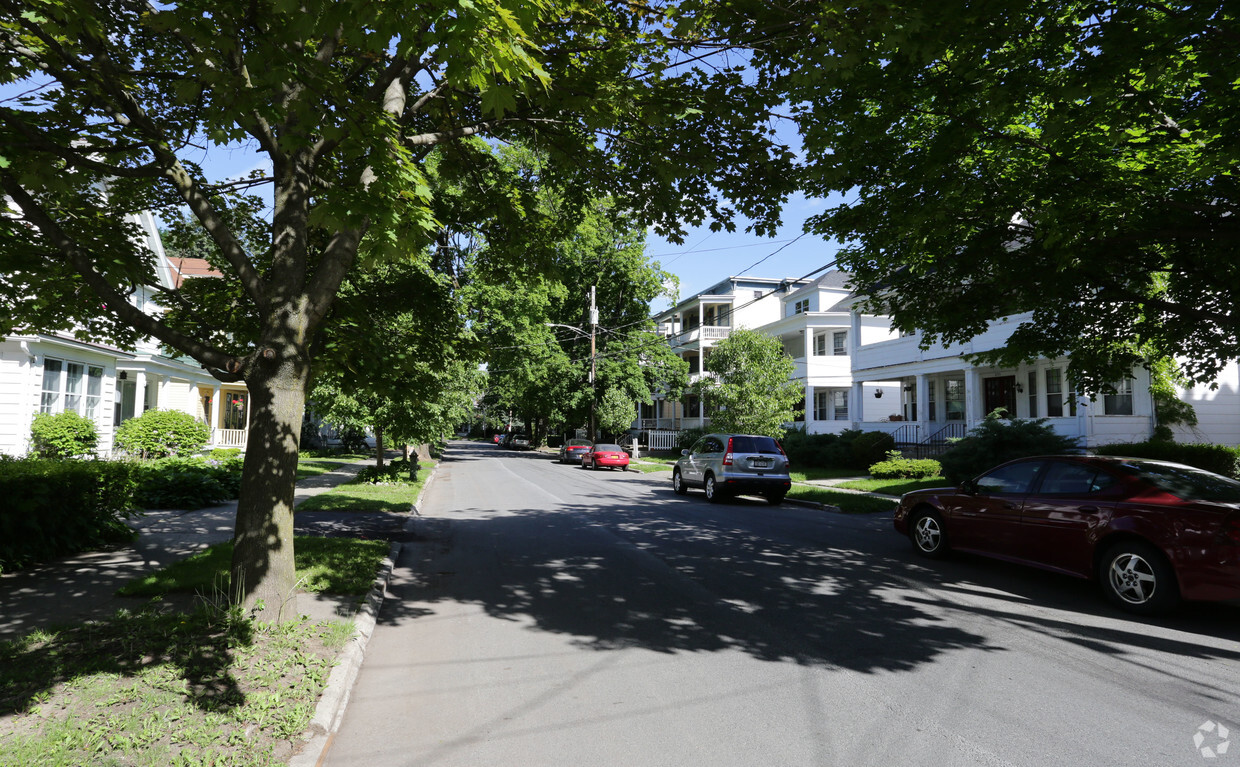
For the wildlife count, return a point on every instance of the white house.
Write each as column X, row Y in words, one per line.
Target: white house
column 51, row 373
column 860, row 374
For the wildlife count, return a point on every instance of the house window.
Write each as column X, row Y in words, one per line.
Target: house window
column 1119, row 403
column 72, row 387
column 910, row 404
column 693, row 407
column 930, row 399
column 820, row 344
column 757, row 294
column 953, row 399
column 801, row 306
column 234, row 415
column 1054, row 393
column 838, row 341
column 831, row 405
column 1033, row 394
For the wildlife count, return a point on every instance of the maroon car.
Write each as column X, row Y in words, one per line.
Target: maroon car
column 1150, row 532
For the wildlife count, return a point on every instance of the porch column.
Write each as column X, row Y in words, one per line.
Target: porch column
column 973, row 404
column 214, row 415
column 922, row 386
column 139, row 394
column 854, row 331
column 856, row 406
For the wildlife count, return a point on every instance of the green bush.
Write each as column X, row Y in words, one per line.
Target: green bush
column 995, row 441
column 56, row 508
column 353, row 440
column 161, row 433
column 821, row 450
column 871, row 447
column 63, row 435
column 187, row 483
column 398, row 472
column 1220, row 459
column 898, row 467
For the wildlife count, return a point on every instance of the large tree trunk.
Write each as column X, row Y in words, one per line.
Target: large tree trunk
column 263, row 573
column 379, row 446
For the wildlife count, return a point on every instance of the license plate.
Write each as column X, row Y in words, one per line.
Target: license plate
column 761, row 464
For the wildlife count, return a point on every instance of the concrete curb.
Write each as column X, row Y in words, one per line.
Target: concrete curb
column 335, row 698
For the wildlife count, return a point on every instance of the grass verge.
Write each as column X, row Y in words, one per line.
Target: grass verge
column 819, row 473
column 849, row 503
column 894, row 486
column 327, row 565
column 646, row 468
column 355, row 496
column 149, row 688
column 312, row 467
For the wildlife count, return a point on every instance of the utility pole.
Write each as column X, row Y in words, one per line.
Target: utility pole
column 593, row 390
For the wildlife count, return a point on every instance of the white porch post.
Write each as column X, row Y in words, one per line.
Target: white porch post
column 809, row 389
column 854, row 331
column 923, row 406
column 973, row 397
column 139, row 394
column 214, row 415
column 856, row 407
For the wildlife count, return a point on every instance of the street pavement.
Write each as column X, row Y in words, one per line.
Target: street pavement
column 546, row 615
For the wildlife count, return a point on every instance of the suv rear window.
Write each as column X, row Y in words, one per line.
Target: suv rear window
column 755, row 445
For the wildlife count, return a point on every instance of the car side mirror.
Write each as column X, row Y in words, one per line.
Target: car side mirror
column 684, row 452
column 969, row 487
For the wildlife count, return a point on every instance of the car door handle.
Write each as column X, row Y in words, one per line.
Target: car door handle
column 1009, row 506
column 1088, row 509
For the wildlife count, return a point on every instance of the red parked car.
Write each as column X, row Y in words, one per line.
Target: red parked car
column 605, row 455
column 1150, row 532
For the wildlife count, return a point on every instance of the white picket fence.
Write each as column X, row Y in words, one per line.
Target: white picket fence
column 662, row 439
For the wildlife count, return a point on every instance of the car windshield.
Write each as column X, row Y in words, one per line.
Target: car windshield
column 1185, row 482
column 607, row 448
column 755, row 445
column 579, row 443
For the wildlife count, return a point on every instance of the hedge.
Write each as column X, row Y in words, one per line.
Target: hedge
column 1220, row 459
column 56, row 508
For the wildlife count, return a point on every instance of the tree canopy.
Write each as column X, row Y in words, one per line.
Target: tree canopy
column 1070, row 158
column 120, row 110
column 751, row 391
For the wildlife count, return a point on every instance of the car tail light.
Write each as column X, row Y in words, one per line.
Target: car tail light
column 1231, row 528
column 727, row 457
column 787, row 463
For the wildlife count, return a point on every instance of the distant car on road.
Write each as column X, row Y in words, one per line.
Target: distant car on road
column 1149, row 532
column 734, row 464
column 521, row 442
column 495, row 439
column 505, row 440
column 573, row 449
column 605, row 455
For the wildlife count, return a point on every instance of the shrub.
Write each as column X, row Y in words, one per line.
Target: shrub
column 63, row 435
column 820, row 450
column 56, row 508
column 396, row 472
column 187, row 483
column 1219, row 459
column 687, row 437
column 353, row 440
column 898, row 467
column 161, row 433
column 871, row 447
column 995, row 441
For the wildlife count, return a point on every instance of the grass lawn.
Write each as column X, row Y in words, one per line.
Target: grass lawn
column 331, row 565
column 849, row 503
column 363, row 496
column 817, row 473
column 165, row 688
column 894, row 486
column 313, row 467
column 646, row 468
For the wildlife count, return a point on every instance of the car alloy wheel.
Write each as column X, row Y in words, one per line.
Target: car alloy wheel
column 678, row 483
column 928, row 536
column 1136, row 577
column 712, row 491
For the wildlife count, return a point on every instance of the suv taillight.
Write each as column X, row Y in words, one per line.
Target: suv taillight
column 787, row 463
column 727, row 457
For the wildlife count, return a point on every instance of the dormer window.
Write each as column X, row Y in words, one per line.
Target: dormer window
column 801, row 306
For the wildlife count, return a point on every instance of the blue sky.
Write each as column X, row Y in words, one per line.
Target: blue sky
column 707, row 257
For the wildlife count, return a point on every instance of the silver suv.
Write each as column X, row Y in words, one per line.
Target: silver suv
column 734, row 464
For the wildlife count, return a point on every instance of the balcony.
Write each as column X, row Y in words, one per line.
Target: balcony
column 701, row 333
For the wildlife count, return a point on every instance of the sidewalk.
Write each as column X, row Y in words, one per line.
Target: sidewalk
column 82, row 587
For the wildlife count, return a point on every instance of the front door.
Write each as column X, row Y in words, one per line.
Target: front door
column 1000, row 393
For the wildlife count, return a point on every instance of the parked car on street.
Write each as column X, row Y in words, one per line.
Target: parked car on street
column 521, row 442
column 573, row 450
column 734, row 464
column 495, row 439
column 505, row 440
column 605, row 455
column 1149, row 532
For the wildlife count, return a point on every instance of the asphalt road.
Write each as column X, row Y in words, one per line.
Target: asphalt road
column 549, row 616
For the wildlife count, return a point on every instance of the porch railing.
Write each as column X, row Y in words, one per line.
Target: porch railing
column 228, row 437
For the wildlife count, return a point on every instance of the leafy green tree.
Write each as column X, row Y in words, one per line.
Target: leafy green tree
column 1069, row 158
column 62, row 435
column 348, row 101
column 750, row 391
column 616, row 411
